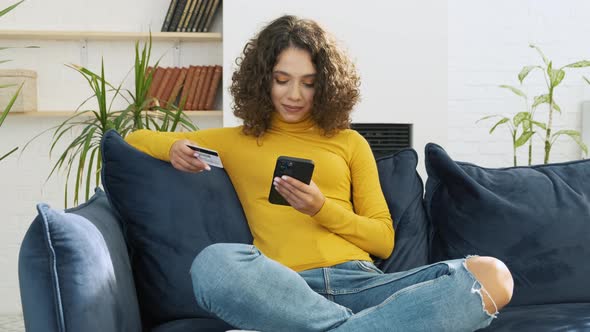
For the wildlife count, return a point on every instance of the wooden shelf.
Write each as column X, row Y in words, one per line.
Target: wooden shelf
column 42, row 114
column 110, row 36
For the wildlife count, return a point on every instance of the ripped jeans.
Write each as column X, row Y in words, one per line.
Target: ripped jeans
column 241, row 286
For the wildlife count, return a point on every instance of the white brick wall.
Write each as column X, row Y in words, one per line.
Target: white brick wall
column 487, row 46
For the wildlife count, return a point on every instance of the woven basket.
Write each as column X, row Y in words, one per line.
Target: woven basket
column 27, row 99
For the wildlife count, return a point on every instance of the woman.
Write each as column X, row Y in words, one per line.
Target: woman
column 310, row 267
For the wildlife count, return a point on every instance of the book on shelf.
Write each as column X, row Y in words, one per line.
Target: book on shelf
column 210, row 16
column 199, row 16
column 205, row 88
column 197, row 85
column 184, row 15
column 194, row 15
column 163, row 84
column 212, row 93
column 158, row 73
column 178, row 10
column 177, row 85
column 169, row 86
column 196, row 90
column 187, row 19
column 169, row 14
column 185, row 87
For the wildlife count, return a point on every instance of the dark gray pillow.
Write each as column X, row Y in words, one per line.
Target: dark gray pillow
column 169, row 217
column 403, row 190
column 535, row 219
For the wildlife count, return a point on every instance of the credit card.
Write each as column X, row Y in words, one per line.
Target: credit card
column 211, row 157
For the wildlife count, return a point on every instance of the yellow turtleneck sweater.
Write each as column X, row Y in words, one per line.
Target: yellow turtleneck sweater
column 345, row 172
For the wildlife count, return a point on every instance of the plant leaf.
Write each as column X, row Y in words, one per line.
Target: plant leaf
column 579, row 64
column 541, row 53
column 525, row 71
column 515, row 90
column 519, row 117
column 523, row 138
column 8, row 9
column 540, row 125
column 575, row 135
column 540, row 100
column 503, row 120
column 10, row 103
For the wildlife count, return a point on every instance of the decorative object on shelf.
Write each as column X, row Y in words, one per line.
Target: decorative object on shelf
column 82, row 155
column 24, row 80
column 10, row 97
column 190, row 15
column 525, row 120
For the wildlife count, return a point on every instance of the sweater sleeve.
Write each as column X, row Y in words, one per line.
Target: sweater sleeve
column 157, row 144
column 370, row 226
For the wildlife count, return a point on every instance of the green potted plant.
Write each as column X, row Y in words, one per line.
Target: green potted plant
column 525, row 120
column 8, row 107
column 82, row 154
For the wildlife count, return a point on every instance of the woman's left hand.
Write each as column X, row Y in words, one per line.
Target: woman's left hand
column 304, row 198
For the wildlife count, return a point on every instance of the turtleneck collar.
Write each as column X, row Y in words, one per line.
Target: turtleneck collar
column 278, row 123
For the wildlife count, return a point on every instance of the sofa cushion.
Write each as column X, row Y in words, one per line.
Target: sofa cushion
column 546, row 318
column 535, row 219
column 74, row 271
column 403, row 190
column 169, row 217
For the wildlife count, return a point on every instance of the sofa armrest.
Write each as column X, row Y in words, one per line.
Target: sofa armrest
column 74, row 271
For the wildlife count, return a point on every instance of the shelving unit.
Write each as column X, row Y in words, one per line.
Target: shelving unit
column 45, row 114
column 86, row 36
column 105, row 35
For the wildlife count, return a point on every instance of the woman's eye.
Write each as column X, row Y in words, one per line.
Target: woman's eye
column 280, row 81
column 309, row 85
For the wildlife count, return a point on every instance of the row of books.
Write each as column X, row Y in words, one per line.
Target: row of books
column 197, row 85
column 190, row 15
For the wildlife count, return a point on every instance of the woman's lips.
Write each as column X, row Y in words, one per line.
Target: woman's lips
column 292, row 108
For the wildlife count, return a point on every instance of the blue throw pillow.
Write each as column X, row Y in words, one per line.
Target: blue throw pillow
column 403, row 190
column 169, row 217
column 74, row 271
column 536, row 219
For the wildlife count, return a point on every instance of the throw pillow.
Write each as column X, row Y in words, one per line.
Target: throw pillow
column 169, row 217
column 403, row 190
column 536, row 219
column 74, row 271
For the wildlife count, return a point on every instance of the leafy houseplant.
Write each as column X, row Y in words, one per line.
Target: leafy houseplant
column 8, row 107
column 525, row 120
column 82, row 155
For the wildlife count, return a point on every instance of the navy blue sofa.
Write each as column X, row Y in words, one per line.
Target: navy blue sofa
column 120, row 262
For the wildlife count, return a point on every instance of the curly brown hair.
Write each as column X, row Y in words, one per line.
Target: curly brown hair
column 336, row 86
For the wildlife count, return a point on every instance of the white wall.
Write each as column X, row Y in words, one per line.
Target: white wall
column 399, row 47
column 22, row 180
column 488, row 45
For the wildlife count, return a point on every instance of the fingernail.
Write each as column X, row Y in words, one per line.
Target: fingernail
column 196, row 154
column 284, row 177
column 277, row 179
column 208, row 168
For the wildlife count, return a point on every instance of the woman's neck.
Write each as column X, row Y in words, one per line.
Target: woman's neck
column 304, row 124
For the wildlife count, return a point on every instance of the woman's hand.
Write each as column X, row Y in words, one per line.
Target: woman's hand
column 304, row 198
column 185, row 159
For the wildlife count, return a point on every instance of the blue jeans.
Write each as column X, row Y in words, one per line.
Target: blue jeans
column 248, row 290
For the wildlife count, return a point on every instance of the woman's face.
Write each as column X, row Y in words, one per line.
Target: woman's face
column 293, row 84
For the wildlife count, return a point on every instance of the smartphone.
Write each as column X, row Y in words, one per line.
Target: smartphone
column 300, row 169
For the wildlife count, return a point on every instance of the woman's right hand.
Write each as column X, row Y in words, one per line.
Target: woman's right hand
column 185, row 159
